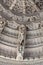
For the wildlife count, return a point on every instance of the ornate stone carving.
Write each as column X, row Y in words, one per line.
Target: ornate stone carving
column 22, row 39
column 24, row 6
column 30, row 7
column 33, row 22
column 18, row 7
column 8, row 2
column 22, row 33
column 39, row 4
column 20, row 43
column 2, row 24
column 12, row 5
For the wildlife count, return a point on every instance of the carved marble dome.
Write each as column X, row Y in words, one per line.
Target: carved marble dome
column 21, row 29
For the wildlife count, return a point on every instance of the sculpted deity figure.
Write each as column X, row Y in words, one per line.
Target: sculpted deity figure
column 21, row 44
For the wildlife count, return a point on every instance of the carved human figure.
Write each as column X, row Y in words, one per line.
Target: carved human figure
column 22, row 33
column 21, row 38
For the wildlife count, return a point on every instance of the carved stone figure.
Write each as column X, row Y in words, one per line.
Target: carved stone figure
column 2, row 24
column 22, row 33
column 22, row 39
